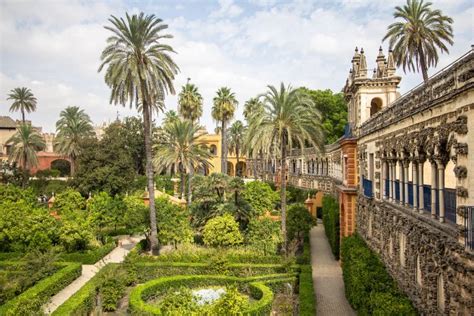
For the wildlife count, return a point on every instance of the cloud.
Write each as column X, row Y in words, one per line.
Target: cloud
column 242, row 45
column 227, row 9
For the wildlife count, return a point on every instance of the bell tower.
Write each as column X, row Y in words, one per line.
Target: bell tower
column 366, row 96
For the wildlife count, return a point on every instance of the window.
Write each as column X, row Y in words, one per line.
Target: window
column 375, row 105
column 213, row 150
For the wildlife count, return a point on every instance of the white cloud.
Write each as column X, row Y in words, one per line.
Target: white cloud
column 300, row 42
column 227, row 9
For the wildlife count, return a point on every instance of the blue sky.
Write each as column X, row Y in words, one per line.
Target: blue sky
column 53, row 47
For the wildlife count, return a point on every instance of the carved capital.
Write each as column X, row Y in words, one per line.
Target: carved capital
column 460, row 172
column 461, row 211
column 462, row 192
column 461, row 148
column 460, row 125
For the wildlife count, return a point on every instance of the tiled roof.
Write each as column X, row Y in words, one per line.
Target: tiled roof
column 7, row 122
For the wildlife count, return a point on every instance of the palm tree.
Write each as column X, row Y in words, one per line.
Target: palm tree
column 190, row 102
column 23, row 100
column 141, row 70
column 236, row 139
column 416, row 39
column 289, row 116
column 190, row 107
column 179, row 146
column 73, row 126
column 170, row 117
column 223, row 111
column 251, row 106
column 26, row 143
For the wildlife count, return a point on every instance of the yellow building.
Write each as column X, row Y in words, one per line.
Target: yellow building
column 7, row 130
column 234, row 167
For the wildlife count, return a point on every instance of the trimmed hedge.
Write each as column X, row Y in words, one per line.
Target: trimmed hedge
column 306, row 295
column 331, row 223
column 369, row 287
column 44, row 289
column 153, row 270
column 82, row 302
column 258, row 290
column 89, row 256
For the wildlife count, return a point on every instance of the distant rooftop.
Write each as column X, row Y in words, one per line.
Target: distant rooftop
column 7, row 122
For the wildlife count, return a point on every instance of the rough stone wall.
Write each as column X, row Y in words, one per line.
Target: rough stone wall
column 401, row 238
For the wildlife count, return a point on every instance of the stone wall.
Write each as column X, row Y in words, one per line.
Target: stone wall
column 422, row 255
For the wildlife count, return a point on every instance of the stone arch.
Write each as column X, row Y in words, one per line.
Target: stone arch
column 63, row 165
column 241, row 168
column 375, row 105
column 230, row 168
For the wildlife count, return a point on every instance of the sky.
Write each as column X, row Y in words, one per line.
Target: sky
column 53, row 47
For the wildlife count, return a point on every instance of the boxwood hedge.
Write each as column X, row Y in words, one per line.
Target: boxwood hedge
column 259, row 291
column 369, row 287
column 43, row 290
column 307, row 299
column 331, row 223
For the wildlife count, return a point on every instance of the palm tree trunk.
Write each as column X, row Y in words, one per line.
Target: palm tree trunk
column 254, row 166
column 190, row 176
column 424, row 68
column 73, row 166
column 283, row 192
column 239, row 174
column 223, row 149
column 25, row 174
column 23, row 115
column 182, row 184
column 150, row 179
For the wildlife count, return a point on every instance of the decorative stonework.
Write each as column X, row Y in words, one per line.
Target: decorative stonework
column 460, row 172
column 462, row 192
column 437, row 250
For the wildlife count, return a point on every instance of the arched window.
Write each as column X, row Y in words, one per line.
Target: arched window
column 213, row 150
column 375, row 105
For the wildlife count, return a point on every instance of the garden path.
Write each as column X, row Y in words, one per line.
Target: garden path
column 88, row 271
column 327, row 277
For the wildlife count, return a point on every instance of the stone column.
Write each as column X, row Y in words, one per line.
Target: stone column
column 401, row 182
column 415, row 184
column 434, row 177
column 421, row 204
column 392, row 181
column 382, row 179
column 440, row 165
column 406, row 166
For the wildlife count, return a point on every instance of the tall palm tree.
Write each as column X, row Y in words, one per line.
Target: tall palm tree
column 141, row 70
column 415, row 39
column 190, row 107
column 23, row 100
column 170, row 117
column 223, row 111
column 179, row 146
column 26, row 143
column 73, row 126
column 190, row 102
column 236, row 140
column 251, row 106
column 289, row 116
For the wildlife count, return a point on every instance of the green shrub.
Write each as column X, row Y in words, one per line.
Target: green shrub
column 369, row 287
column 82, row 302
column 231, row 303
column 112, row 288
column 260, row 196
column 262, row 295
column 299, row 222
column 297, row 195
column 264, row 235
column 69, row 201
column 222, row 231
column 331, row 223
column 306, row 292
column 88, row 256
column 172, row 222
column 43, row 290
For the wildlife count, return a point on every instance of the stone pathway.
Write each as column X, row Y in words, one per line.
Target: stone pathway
column 327, row 277
column 88, row 271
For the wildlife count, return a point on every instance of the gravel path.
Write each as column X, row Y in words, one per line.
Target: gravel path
column 327, row 277
column 88, row 271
